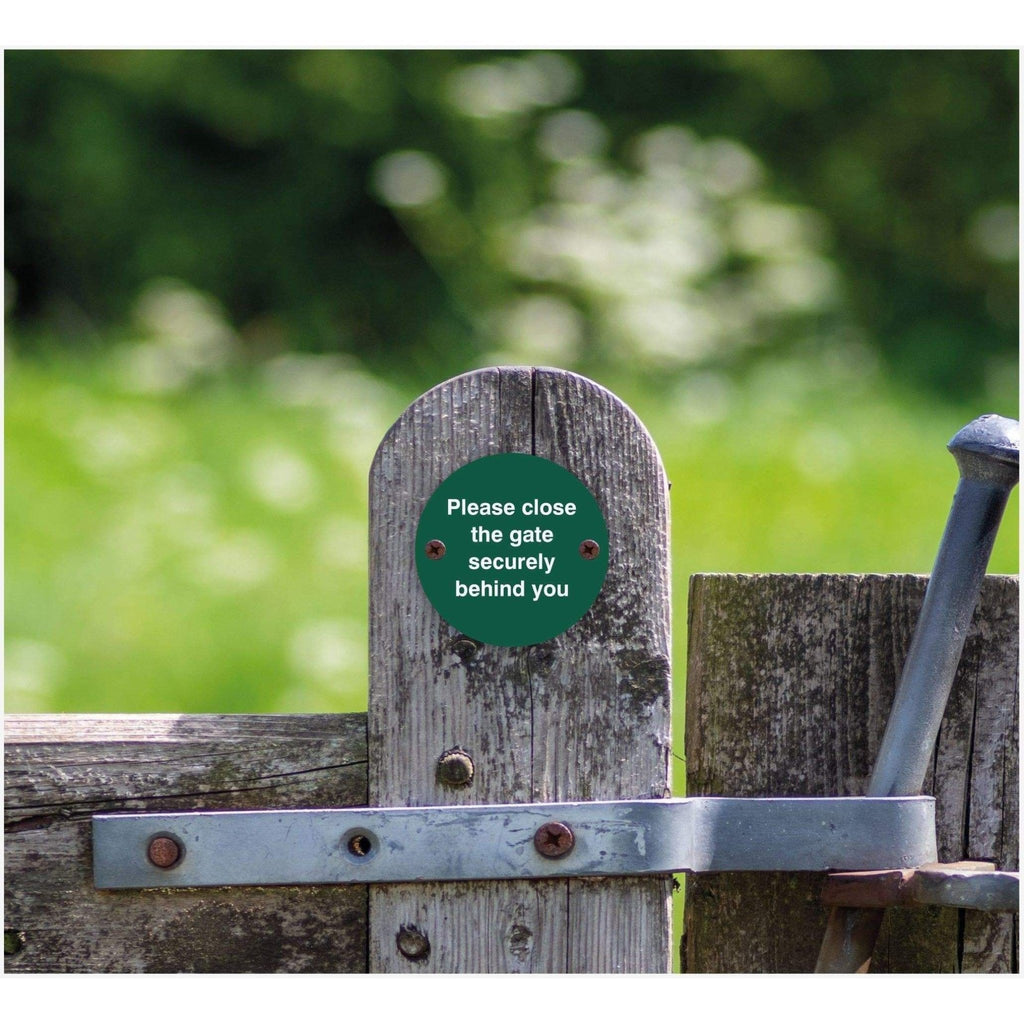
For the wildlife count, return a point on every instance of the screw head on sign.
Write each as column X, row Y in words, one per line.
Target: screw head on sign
column 554, row 839
column 590, row 549
column 435, row 549
column 163, row 852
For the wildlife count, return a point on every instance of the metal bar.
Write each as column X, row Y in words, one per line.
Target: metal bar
column 941, row 885
column 987, row 453
column 948, row 887
column 357, row 845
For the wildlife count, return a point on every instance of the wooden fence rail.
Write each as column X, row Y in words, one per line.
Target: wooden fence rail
column 61, row 769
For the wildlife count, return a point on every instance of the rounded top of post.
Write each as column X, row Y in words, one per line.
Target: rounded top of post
column 988, row 448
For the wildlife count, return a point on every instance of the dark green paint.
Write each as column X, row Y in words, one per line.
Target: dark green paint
column 514, row 615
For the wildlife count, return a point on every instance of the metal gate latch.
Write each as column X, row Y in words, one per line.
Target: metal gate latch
column 420, row 844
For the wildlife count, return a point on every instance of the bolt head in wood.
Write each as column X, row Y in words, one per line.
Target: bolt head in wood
column 163, row 852
column 435, row 549
column 554, row 839
column 590, row 549
column 455, row 768
column 412, row 943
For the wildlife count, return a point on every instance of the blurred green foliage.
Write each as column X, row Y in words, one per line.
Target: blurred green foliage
column 228, row 272
column 423, row 210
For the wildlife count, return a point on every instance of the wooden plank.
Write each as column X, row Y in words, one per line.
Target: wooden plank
column 59, row 770
column 602, row 691
column 584, row 716
column 991, row 813
column 789, row 686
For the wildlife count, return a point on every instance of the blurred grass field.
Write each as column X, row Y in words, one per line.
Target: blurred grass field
column 205, row 551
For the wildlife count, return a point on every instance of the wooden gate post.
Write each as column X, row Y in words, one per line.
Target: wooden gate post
column 584, row 716
column 789, row 686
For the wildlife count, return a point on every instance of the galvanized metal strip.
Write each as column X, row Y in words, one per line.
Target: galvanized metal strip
column 973, row 890
column 637, row 837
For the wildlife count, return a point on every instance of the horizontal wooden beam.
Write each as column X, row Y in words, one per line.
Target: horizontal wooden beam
column 61, row 769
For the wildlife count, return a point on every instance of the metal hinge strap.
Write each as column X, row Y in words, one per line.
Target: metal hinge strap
column 399, row 844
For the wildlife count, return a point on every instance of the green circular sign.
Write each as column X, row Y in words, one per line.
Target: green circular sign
column 512, row 550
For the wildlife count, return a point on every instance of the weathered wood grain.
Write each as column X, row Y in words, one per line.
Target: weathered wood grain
column 602, row 691
column 789, row 686
column 584, row 716
column 59, row 770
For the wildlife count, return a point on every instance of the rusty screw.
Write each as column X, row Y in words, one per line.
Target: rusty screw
column 455, row 768
column 412, row 943
column 163, row 852
column 435, row 549
column 590, row 549
column 554, row 839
